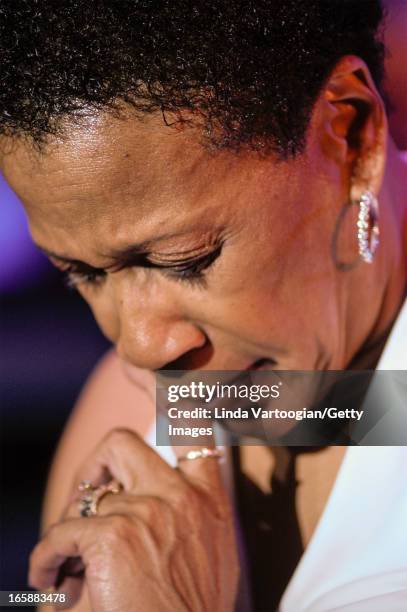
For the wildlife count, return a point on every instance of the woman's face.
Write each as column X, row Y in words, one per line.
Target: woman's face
column 211, row 260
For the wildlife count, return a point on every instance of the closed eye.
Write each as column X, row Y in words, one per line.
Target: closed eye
column 74, row 278
column 191, row 270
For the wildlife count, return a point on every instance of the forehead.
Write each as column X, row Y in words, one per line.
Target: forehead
column 104, row 155
column 111, row 175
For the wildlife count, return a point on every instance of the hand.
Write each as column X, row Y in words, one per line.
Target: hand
column 165, row 543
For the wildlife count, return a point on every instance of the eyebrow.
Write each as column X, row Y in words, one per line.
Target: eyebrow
column 134, row 254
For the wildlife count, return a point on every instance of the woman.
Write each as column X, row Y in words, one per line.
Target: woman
column 200, row 179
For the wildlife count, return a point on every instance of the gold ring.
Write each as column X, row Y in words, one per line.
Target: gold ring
column 201, row 453
column 89, row 501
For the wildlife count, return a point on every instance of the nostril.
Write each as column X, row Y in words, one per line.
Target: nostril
column 194, row 359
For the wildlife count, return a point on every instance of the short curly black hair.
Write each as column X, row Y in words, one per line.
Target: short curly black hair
column 248, row 70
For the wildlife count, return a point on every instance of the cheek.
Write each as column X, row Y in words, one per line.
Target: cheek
column 284, row 290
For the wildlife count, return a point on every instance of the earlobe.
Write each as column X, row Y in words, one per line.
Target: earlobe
column 357, row 124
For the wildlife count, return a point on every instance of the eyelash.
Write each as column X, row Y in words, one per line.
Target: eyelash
column 73, row 279
column 193, row 272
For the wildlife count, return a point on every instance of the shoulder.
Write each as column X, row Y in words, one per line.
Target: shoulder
column 109, row 399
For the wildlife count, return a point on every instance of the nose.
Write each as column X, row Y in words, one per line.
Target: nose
column 154, row 330
column 152, row 343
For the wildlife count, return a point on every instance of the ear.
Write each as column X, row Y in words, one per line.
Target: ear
column 355, row 125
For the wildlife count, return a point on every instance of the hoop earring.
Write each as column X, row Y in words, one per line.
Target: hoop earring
column 368, row 226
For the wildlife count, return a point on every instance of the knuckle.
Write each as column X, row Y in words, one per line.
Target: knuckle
column 121, row 436
column 122, row 441
column 179, row 494
column 192, row 503
column 153, row 506
column 158, row 511
column 185, row 498
column 117, row 529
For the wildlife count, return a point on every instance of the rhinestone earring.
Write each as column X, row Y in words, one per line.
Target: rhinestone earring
column 368, row 226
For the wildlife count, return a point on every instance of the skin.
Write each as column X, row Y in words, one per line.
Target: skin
column 276, row 292
column 148, row 547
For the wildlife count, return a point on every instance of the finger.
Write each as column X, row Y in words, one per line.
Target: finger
column 72, row 587
column 110, row 503
column 203, row 471
column 144, row 508
column 62, row 541
column 198, row 471
column 126, row 457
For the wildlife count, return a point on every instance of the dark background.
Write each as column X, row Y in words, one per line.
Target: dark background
column 49, row 342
